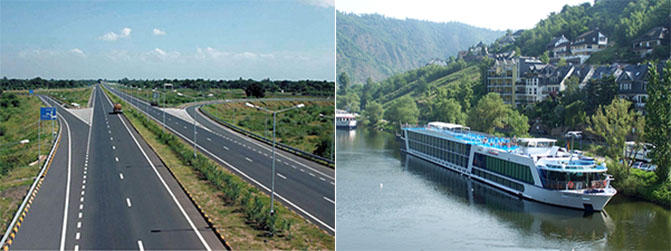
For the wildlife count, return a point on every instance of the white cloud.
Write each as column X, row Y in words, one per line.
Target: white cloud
column 111, row 36
column 159, row 55
column 211, row 53
column 43, row 54
column 78, row 51
column 319, row 3
column 159, row 52
column 158, row 32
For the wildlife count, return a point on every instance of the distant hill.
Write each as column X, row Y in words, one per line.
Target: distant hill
column 371, row 45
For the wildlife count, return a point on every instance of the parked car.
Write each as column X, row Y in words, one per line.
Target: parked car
column 648, row 167
column 637, row 165
column 573, row 134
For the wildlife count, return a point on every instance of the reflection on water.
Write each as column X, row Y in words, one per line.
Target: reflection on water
column 532, row 217
column 387, row 200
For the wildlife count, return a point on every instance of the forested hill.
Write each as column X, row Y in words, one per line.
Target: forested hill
column 371, row 45
column 621, row 21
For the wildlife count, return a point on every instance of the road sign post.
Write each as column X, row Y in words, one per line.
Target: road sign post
column 46, row 113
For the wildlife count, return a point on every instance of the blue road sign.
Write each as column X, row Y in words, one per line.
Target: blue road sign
column 30, row 91
column 47, row 113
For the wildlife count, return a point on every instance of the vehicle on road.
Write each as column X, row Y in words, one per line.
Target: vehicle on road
column 117, row 108
column 532, row 168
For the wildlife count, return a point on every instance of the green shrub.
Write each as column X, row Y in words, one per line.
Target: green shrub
column 255, row 208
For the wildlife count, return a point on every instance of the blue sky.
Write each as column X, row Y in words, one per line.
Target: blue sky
column 285, row 39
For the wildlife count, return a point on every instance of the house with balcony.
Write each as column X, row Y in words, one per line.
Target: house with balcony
column 585, row 45
column 632, row 83
column 646, row 43
column 501, row 78
column 559, row 47
column 511, row 79
column 547, row 79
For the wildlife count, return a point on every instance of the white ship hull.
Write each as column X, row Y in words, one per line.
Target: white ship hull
column 589, row 199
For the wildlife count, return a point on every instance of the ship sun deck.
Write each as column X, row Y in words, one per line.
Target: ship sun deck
column 472, row 138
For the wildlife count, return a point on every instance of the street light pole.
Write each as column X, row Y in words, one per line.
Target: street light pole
column 272, row 194
column 272, row 186
column 163, row 108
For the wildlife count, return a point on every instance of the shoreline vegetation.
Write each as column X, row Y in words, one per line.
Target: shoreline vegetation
column 610, row 122
column 236, row 208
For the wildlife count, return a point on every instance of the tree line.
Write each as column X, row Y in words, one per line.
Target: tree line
column 299, row 87
column 255, row 87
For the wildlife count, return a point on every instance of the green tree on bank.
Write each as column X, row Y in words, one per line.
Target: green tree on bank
column 613, row 123
column 373, row 114
column 403, row 110
column 658, row 120
column 490, row 114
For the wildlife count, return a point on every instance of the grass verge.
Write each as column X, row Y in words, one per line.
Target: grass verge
column 18, row 121
column 237, row 209
column 79, row 96
column 173, row 97
column 301, row 128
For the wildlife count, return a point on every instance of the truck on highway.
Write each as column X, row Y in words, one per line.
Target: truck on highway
column 117, row 108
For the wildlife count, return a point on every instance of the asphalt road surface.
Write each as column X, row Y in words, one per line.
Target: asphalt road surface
column 106, row 189
column 306, row 187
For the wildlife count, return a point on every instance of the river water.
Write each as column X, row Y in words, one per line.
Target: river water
column 387, row 200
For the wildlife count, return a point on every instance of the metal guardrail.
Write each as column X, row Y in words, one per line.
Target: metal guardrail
column 20, row 213
column 284, row 147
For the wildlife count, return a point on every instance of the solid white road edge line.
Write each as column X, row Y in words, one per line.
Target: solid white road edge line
column 67, row 188
column 241, row 173
column 267, row 148
column 193, row 226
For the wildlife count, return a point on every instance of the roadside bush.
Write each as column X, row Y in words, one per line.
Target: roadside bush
column 233, row 188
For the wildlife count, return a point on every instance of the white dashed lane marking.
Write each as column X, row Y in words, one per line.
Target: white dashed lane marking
column 121, row 175
column 329, row 200
column 226, row 148
column 128, row 202
column 248, row 159
column 281, row 176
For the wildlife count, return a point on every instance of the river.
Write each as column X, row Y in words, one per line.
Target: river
column 387, row 200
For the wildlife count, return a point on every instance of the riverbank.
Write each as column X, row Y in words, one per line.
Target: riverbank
column 376, row 182
column 633, row 183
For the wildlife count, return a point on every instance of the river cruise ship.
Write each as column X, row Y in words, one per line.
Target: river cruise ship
column 532, row 168
column 345, row 120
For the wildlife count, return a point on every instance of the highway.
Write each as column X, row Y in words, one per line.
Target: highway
column 106, row 189
column 306, row 187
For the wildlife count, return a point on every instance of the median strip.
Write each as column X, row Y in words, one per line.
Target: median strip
column 209, row 186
